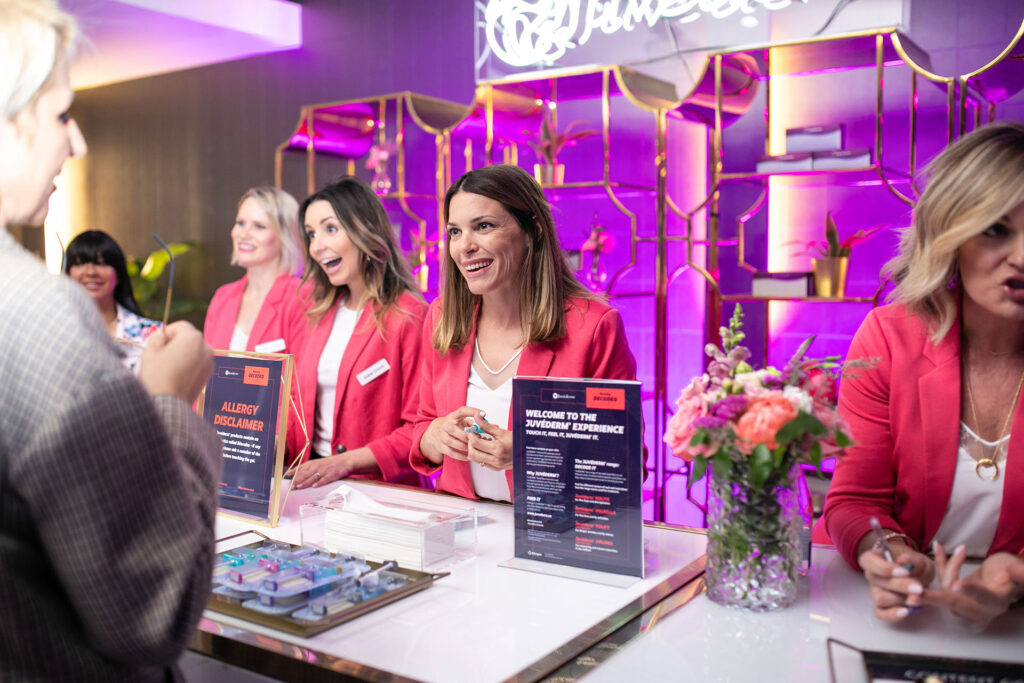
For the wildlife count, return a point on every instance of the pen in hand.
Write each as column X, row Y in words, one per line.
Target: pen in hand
column 884, row 544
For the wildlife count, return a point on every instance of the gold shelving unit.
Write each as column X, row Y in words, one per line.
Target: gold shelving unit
column 347, row 130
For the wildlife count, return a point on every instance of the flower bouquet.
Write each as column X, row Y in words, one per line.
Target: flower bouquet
column 753, row 428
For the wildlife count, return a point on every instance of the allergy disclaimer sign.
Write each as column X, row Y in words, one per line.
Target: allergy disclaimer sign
column 244, row 401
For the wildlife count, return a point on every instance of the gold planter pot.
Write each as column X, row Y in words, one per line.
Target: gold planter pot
column 830, row 276
column 548, row 174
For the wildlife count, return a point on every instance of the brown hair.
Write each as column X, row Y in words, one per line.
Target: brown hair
column 383, row 268
column 973, row 184
column 546, row 281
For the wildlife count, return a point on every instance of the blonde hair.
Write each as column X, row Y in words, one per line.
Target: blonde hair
column 382, row 266
column 546, row 281
column 34, row 36
column 283, row 213
column 972, row 184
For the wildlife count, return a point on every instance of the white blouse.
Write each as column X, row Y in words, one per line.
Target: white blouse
column 974, row 504
column 239, row 339
column 344, row 325
column 495, row 403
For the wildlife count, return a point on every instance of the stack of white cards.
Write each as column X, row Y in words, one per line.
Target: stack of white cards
column 412, row 536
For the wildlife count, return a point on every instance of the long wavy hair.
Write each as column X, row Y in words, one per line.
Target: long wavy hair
column 382, row 266
column 546, row 281
column 972, row 184
column 96, row 246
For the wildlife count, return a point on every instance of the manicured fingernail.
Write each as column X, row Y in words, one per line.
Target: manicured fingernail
column 902, row 612
column 960, row 550
column 915, row 589
column 900, row 572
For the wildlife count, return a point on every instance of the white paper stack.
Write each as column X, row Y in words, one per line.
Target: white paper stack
column 814, row 139
column 413, row 537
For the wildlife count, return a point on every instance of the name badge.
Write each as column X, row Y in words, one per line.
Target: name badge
column 272, row 346
column 373, row 372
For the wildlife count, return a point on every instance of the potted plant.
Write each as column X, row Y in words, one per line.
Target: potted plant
column 833, row 259
column 548, row 143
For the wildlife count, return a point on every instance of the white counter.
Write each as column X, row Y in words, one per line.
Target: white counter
column 703, row 641
column 481, row 623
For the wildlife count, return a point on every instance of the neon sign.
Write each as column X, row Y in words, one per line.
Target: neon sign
column 528, row 32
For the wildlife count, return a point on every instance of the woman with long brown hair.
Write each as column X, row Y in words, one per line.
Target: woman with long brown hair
column 510, row 306
column 358, row 370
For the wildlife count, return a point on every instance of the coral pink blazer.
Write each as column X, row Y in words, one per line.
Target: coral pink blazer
column 282, row 316
column 595, row 346
column 904, row 416
column 379, row 413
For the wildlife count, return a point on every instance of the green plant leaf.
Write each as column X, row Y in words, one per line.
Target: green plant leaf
column 760, row 465
column 158, row 260
column 832, row 235
column 698, row 468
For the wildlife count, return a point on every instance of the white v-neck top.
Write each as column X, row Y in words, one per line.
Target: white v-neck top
column 495, row 403
column 239, row 339
column 974, row 504
column 344, row 325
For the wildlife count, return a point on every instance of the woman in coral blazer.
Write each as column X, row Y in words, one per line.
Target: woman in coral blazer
column 358, row 369
column 510, row 301
column 262, row 311
column 939, row 432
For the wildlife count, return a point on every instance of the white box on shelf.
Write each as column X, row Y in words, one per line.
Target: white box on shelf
column 841, row 159
column 782, row 284
column 815, row 138
column 782, row 163
column 416, row 536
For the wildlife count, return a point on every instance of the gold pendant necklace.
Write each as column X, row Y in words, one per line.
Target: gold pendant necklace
column 988, row 467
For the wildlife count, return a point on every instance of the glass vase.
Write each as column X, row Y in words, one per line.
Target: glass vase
column 753, row 549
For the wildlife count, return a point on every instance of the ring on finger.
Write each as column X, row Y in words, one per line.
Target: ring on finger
column 317, row 475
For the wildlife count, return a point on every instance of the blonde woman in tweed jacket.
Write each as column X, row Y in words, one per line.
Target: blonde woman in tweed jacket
column 107, row 483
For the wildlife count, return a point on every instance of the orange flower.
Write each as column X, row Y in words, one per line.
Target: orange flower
column 761, row 422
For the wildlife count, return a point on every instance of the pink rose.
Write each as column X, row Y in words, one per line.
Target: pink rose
column 764, row 417
column 690, row 406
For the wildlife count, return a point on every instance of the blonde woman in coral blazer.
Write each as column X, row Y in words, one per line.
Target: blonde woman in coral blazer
column 938, row 427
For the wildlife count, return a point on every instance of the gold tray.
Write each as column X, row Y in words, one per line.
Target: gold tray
column 233, row 606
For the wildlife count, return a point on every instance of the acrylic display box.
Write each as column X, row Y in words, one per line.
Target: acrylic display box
column 415, row 535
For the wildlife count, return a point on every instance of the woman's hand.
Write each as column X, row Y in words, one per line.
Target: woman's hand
column 983, row 594
column 896, row 587
column 447, row 435
column 320, row 471
column 494, row 453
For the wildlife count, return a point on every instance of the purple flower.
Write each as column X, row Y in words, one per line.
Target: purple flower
column 772, row 381
column 719, row 369
column 709, row 422
column 729, row 407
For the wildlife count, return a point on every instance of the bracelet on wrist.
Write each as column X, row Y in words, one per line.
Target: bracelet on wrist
column 891, row 535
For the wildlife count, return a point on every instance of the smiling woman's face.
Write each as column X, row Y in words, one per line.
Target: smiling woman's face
column 255, row 241
column 98, row 279
column 992, row 267
column 33, row 150
column 486, row 243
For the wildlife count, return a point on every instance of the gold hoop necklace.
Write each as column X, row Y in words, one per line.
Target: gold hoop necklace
column 992, row 463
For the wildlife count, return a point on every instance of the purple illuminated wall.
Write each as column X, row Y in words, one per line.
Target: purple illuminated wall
column 173, row 153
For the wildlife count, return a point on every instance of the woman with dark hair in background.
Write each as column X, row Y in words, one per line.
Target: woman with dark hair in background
column 938, row 424
column 358, row 370
column 510, row 302
column 95, row 261
column 262, row 311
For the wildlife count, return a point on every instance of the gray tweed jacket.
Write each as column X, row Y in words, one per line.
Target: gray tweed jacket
column 107, row 496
